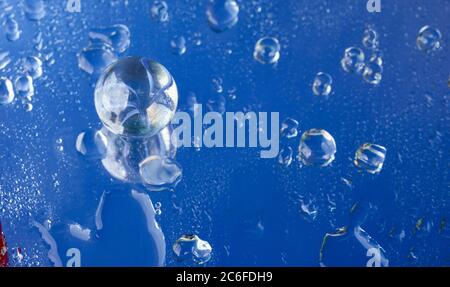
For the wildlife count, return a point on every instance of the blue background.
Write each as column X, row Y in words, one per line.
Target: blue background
column 247, row 208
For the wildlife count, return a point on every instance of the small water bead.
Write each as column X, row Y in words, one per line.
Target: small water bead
column 373, row 73
column 217, row 84
column 285, row 156
column 353, row 60
column 118, row 37
column 95, row 58
column 5, row 59
column 136, row 97
column 157, row 207
column 92, row 144
column 160, row 172
column 178, row 45
column 267, row 50
column 377, row 57
column 370, row 157
column 322, row 85
column 12, row 29
column 289, row 128
column 429, row 39
column 160, row 11
column 370, row 39
column 33, row 66
column 317, row 148
column 222, row 14
column 24, row 86
column 192, row 248
column 6, row 91
column 38, row 41
column 28, row 107
column 34, row 9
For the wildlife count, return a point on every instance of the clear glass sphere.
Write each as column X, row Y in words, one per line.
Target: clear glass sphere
column 136, row 97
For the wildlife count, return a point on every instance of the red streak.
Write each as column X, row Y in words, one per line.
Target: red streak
column 3, row 249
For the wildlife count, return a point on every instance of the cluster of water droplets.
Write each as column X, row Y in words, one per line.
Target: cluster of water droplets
column 370, row 65
column 105, row 44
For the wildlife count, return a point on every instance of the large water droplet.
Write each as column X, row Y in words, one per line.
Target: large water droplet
column 222, row 14
column 267, row 50
column 370, row 157
column 429, row 39
column 317, row 148
column 34, row 9
column 192, row 248
column 24, row 86
column 136, row 97
column 353, row 60
column 322, row 84
column 160, row 172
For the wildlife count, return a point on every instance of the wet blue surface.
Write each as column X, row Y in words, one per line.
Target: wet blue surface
column 249, row 209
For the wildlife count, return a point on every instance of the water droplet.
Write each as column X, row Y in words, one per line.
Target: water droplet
column 353, row 60
column 136, row 97
column 4, row 59
column 285, row 156
column 12, row 29
column 160, row 11
column 124, row 155
column 24, row 86
column 222, row 14
column 308, row 210
column 373, row 73
column 317, row 148
column 28, row 107
column 158, row 210
column 95, row 58
column 267, row 50
column 370, row 39
column 159, row 172
column 6, row 91
column 92, row 144
column 289, row 128
column 178, row 45
column 34, row 9
column 322, row 85
column 429, row 39
column 117, row 37
column 192, row 248
column 33, row 67
column 370, row 157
